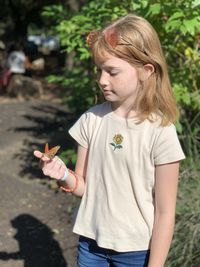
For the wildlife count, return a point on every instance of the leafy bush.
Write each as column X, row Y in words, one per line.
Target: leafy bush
column 185, row 246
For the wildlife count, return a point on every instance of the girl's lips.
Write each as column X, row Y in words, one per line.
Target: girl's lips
column 107, row 92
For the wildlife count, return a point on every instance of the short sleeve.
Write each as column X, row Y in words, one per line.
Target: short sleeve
column 167, row 147
column 80, row 130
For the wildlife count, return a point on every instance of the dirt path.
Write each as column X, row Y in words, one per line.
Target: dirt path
column 35, row 219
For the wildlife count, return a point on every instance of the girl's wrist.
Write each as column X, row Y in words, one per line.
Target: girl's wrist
column 64, row 178
column 62, row 182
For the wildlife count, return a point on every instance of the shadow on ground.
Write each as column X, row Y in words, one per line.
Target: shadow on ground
column 37, row 246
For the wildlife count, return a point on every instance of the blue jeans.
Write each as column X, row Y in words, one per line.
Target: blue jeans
column 91, row 255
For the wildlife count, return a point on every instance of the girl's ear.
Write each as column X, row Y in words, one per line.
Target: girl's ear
column 146, row 72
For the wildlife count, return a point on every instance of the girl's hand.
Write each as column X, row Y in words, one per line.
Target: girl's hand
column 54, row 168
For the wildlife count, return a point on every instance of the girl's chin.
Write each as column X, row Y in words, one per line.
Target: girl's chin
column 109, row 97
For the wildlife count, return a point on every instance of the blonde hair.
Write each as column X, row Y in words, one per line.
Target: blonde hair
column 133, row 39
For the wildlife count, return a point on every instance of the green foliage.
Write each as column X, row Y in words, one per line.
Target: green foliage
column 68, row 156
column 50, row 20
column 185, row 246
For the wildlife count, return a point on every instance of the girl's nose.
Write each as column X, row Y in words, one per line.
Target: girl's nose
column 103, row 79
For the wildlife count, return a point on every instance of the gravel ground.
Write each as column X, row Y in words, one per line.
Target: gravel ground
column 35, row 218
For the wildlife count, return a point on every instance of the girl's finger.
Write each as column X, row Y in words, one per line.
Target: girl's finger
column 37, row 154
column 40, row 155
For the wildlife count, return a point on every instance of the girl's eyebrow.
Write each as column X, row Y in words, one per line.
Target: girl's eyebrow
column 107, row 67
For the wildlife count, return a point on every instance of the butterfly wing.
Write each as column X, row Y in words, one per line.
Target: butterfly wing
column 46, row 149
column 50, row 153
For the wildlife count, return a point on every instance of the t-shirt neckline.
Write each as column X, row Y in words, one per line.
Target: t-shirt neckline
column 128, row 122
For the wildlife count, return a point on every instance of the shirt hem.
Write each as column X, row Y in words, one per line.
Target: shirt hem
column 107, row 245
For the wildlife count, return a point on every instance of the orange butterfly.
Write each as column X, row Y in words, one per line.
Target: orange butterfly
column 50, row 153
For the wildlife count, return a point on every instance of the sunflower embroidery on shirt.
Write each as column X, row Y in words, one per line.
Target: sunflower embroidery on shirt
column 117, row 141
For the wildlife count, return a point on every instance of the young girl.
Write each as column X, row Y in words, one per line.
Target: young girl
column 128, row 153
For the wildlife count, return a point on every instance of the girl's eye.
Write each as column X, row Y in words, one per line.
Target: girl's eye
column 113, row 73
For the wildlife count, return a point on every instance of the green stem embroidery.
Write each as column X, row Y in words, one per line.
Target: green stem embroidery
column 117, row 140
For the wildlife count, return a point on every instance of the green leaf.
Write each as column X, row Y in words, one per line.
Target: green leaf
column 176, row 15
column 182, row 94
column 195, row 3
column 179, row 127
column 172, row 25
column 190, row 25
column 155, row 9
column 135, row 6
column 183, row 29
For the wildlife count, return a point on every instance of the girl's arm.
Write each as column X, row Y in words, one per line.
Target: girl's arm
column 166, row 181
column 80, row 170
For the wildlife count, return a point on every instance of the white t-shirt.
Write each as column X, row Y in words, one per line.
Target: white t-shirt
column 117, row 208
column 16, row 62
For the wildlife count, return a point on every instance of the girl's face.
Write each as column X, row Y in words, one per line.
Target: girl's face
column 118, row 80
